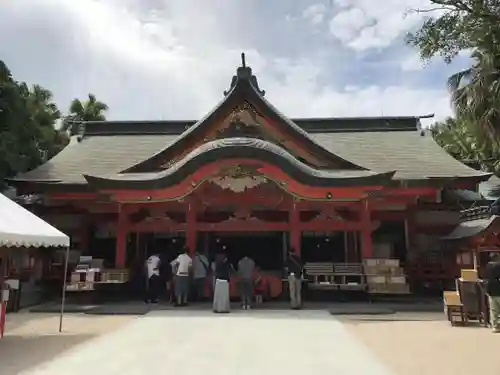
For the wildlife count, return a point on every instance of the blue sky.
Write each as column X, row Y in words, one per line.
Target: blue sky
column 172, row 59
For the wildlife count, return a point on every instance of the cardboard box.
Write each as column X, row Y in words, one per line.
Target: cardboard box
column 115, row 276
column 390, row 262
column 397, row 280
column 469, row 275
column 370, row 262
column 451, row 298
column 376, row 279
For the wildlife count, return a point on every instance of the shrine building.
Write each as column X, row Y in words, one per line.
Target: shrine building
column 248, row 179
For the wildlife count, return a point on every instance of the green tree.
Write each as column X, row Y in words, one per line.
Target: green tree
column 465, row 142
column 456, row 25
column 476, row 92
column 45, row 114
column 27, row 133
column 89, row 110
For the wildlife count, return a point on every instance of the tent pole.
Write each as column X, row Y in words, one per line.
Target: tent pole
column 63, row 297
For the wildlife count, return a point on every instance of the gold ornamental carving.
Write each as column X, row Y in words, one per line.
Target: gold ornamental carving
column 238, row 178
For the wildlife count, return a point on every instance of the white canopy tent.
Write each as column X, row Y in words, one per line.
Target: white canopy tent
column 20, row 228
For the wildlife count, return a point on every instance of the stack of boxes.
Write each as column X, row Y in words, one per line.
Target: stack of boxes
column 114, row 276
column 385, row 276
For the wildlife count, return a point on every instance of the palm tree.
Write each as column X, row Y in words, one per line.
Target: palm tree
column 476, row 92
column 40, row 105
column 89, row 110
column 468, row 143
column 44, row 113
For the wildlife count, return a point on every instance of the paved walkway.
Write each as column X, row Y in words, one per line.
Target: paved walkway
column 243, row 342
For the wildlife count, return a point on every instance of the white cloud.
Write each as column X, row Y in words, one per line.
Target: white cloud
column 364, row 24
column 160, row 59
column 315, row 13
column 412, row 62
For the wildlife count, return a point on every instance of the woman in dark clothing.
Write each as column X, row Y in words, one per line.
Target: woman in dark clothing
column 221, row 291
column 166, row 276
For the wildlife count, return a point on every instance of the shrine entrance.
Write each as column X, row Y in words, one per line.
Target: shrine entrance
column 267, row 249
column 325, row 247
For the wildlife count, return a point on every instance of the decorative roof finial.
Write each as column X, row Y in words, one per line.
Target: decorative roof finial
column 244, row 73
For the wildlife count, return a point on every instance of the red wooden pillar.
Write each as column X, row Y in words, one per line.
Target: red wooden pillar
column 366, row 231
column 121, row 238
column 191, row 230
column 295, row 232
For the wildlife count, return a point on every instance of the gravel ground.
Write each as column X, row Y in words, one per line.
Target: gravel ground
column 407, row 343
column 426, row 344
column 243, row 343
column 32, row 339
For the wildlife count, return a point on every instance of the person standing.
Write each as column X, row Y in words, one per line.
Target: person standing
column 181, row 266
column 492, row 274
column 294, row 268
column 166, row 276
column 212, row 277
column 246, row 267
column 201, row 267
column 260, row 286
column 153, row 283
column 221, row 302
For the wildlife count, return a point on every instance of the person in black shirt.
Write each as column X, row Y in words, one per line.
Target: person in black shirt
column 221, row 302
column 492, row 274
column 166, row 277
column 294, row 267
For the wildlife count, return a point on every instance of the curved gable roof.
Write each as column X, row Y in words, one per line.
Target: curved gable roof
column 244, row 88
column 246, row 148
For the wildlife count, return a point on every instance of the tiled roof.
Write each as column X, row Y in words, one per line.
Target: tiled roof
column 98, row 155
column 472, row 228
column 310, row 125
column 246, row 148
column 410, row 154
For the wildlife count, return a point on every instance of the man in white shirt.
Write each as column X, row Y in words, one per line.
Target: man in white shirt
column 182, row 265
column 201, row 266
column 153, row 273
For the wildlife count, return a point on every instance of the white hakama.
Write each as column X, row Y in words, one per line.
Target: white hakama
column 221, row 296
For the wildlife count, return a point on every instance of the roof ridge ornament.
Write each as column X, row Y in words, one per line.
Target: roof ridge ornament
column 244, row 73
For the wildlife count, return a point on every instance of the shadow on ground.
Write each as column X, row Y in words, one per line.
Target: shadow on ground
column 36, row 349
column 361, row 320
column 320, row 315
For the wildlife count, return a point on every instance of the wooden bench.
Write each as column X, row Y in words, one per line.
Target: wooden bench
column 339, row 276
column 349, row 276
column 320, row 273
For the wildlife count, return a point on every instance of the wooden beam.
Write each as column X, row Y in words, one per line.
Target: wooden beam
column 72, row 196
